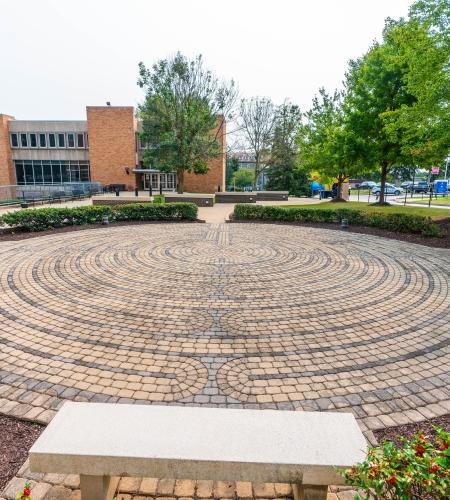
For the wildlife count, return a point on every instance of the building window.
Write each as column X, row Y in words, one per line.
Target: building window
column 61, row 141
column 20, row 173
column 51, row 141
column 14, row 141
column 80, row 140
column 47, row 172
column 70, row 140
column 42, row 141
column 24, row 140
column 29, row 175
column 34, row 172
column 56, row 171
column 33, row 141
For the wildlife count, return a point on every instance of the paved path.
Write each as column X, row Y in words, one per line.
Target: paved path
column 238, row 315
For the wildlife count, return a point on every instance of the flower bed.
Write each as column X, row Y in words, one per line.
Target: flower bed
column 400, row 222
column 41, row 219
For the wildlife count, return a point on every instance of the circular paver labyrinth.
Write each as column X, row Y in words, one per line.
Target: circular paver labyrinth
column 243, row 315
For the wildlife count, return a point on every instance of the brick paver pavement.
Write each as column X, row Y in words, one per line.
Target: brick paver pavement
column 236, row 315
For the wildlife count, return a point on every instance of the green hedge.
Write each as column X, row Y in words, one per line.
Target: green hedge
column 40, row 219
column 403, row 223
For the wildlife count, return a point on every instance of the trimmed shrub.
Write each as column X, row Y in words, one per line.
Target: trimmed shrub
column 398, row 222
column 159, row 198
column 41, row 219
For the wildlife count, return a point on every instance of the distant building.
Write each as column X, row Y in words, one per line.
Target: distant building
column 246, row 159
column 103, row 148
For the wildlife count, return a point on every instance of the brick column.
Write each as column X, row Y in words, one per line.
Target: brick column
column 7, row 173
column 112, row 144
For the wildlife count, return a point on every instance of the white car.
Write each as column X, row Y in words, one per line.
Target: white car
column 388, row 189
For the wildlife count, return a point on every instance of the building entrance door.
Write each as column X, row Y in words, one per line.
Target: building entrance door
column 166, row 181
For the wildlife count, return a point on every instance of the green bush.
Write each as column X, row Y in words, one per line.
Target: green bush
column 403, row 223
column 41, row 219
column 420, row 469
column 159, row 198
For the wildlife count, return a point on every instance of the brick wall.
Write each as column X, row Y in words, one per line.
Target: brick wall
column 209, row 183
column 111, row 132
column 7, row 174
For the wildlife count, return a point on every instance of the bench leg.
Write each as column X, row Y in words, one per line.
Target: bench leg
column 309, row 492
column 98, row 487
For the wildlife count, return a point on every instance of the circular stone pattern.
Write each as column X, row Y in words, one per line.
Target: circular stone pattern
column 239, row 315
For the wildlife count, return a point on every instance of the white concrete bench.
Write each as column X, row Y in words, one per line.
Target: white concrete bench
column 102, row 442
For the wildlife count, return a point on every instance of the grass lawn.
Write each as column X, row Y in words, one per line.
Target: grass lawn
column 435, row 213
column 434, row 201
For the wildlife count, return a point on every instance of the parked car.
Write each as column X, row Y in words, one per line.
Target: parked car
column 388, row 189
column 366, row 185
column 419, row 187
column 406, row 184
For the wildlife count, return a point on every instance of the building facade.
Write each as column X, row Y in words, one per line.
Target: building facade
column 103, row 148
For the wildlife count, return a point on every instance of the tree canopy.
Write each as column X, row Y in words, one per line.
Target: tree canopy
column 182, row 115
column 283, row 170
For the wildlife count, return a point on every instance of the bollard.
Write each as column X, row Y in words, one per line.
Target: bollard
column 344, row 223
column 136, row 192
column 160, row 188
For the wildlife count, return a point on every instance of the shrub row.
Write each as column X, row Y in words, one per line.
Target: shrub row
column 40, row 219
column 399, row 222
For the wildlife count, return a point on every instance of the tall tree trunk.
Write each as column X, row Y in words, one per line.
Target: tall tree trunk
column 384, row 170
column 180, row 181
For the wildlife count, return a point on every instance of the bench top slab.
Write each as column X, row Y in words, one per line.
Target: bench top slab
column 170, row 436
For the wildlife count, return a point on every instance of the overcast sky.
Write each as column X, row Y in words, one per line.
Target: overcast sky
column 58, row 56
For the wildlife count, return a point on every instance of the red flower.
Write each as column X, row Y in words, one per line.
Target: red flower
column 444, row 446
column 433, row 468
column 26, row 492
column 420, row 450
column 392, row 480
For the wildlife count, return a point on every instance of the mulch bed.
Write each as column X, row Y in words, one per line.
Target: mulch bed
column 374, row 231
column 16, row 235
column 408, row 430
column 16, row 438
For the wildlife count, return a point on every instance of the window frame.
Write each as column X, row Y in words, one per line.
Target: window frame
column 48, row 140
column 74, row 142
column 36, row 138
column 40, row 134
column 78, row 135
column 11, row 140
column 63, row 135
column 22, row 135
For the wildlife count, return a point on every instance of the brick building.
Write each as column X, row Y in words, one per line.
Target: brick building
column 103, row 148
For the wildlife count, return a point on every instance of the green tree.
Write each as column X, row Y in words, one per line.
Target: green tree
column 232, row 165
column 283, row 172
column 257, row 117
column 183, row 115
column 423, row 48
column 243, row 177
column 327, row 144
column 375, row 85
